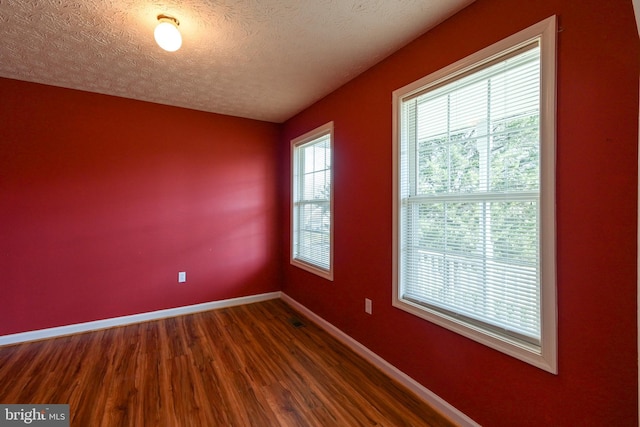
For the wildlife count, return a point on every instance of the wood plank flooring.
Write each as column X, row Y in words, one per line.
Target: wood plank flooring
column 239, row 366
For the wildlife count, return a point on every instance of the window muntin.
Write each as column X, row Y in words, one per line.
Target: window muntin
column 312, row 229
column 474, row 143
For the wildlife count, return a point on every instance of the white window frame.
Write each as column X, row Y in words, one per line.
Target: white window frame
column 544, row 356
column 299, row 142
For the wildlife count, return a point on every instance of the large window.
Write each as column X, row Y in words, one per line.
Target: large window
column 474, row 196
column 312, row 224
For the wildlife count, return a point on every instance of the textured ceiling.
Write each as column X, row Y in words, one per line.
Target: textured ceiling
column 262, row 59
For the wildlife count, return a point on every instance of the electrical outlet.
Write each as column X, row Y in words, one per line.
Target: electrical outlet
column 367, row 306
column 182, row 276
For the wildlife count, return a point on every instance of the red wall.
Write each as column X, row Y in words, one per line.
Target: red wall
column 103, row 200
column 597, row 135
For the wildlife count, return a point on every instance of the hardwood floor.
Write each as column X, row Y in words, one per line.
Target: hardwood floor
column 240, row 366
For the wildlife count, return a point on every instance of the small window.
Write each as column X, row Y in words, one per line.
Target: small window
column 312, row 201
column 474, row 196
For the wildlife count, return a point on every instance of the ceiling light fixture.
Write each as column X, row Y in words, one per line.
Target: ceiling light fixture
column 167, row 34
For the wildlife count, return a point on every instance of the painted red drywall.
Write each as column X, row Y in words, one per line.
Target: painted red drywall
column 597, row 135
column 103, row 200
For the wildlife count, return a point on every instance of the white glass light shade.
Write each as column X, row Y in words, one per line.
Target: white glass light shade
column 167, row 35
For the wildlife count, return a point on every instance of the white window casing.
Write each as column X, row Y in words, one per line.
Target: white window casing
column 474, row 196
column 312, row 201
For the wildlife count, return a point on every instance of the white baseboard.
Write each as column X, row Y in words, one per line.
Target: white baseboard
column 427, row 395
column 134, row 318
column 424, row 393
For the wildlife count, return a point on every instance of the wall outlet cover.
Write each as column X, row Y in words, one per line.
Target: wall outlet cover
column 367, row 306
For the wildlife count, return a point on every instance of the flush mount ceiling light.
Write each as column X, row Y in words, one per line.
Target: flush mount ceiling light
column 167, row 34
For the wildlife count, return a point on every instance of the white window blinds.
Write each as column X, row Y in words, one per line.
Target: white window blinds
column 469, row 188
column 311, row 206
